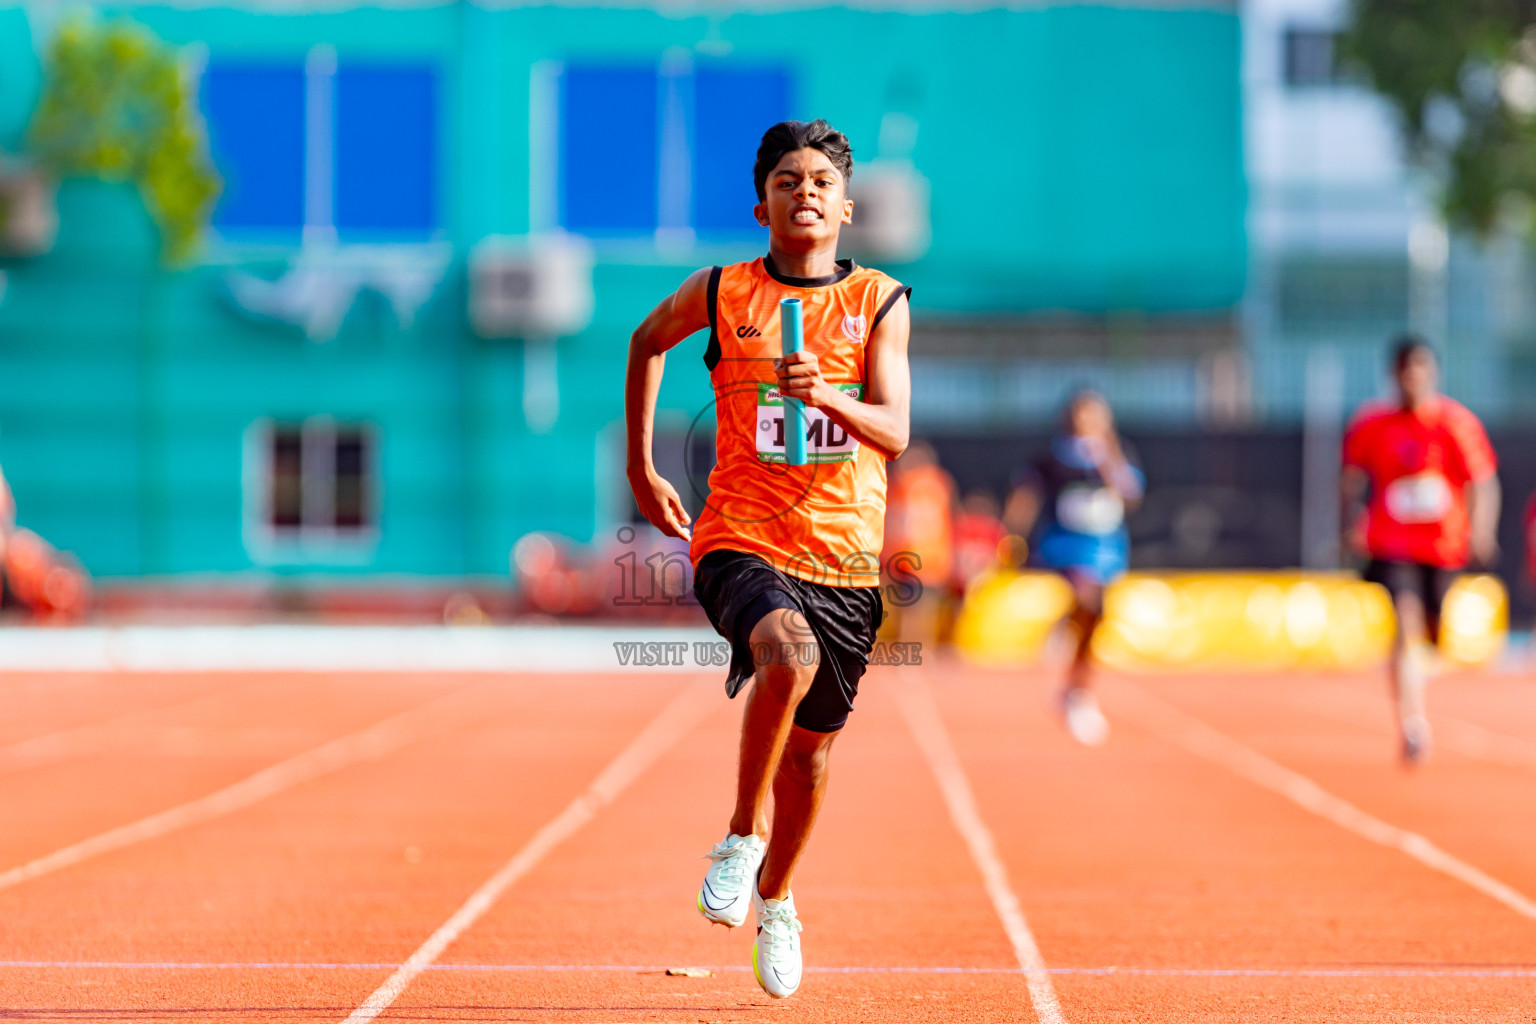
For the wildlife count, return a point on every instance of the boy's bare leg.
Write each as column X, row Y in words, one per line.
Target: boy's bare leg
column 1087, row 610
column 1410, row 677
column 1084, row 621
column 782, row 680
column 798, row 789
column 1084, row 720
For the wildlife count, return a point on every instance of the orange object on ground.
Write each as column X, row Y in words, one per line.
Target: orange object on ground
column 820, row 522
column 52, row 585
column 1419, row 463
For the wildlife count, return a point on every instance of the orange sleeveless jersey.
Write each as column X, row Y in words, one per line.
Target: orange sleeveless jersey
column 824, row 521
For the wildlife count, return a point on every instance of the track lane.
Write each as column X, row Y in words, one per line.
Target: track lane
column 1137, row 855
column 675, row 720
column 354, row 867
column 926, row 722
column 1140, row 855
column 886, row 883
column 379, row 740
column 39, row 705
column 1339, row 731
column 187, row 751
column 1342, row 700
column 1501, row 701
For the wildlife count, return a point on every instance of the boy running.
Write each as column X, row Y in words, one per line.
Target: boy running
column 1072, row 501
column 785, row 558
column 1427, row 469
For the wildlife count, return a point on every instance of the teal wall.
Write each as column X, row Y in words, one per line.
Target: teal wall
column 1082, row 158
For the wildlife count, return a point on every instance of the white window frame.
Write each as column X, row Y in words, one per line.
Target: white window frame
column 674, row 236
column 316, row 540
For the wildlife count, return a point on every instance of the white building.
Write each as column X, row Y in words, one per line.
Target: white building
column 1347, row 247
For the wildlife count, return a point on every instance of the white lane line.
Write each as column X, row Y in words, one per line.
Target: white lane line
column 316, row 648
column 675, row 720
column 123, row 734
column 915, row 700
column 1203, row 741
column 1481, row 744
column 1189, row 972
column 369, row 744
column 1351, row 707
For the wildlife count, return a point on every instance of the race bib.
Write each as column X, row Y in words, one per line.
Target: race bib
column 825, row 441
column 1086, row 508
column 1422, row 498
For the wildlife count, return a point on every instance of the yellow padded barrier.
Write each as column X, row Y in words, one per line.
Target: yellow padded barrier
column 1225, row 620
column 1007, row 616
column 1474, row 623
column 1244, row 621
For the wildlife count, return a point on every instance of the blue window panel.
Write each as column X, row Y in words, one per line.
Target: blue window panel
column 732, row 109
column 386, row 149
column 255, row 115
column 608, row 149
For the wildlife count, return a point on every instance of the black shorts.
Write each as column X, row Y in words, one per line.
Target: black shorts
column 1430, row 583
column 737, row 589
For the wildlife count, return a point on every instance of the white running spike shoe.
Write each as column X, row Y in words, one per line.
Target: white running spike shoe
column 776, row 953
column 1085, row 721
column 731, row 881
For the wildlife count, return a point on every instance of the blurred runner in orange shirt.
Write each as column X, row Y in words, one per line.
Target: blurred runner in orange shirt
column 919, row 540
column 1424, row 472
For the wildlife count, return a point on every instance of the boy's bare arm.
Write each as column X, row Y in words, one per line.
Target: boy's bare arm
column 679, row 315
column 1022, row 509
column 1483, row 499
column 883, row 420
column 1353, row 488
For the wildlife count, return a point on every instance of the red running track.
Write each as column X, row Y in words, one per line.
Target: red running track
column 1167, row 876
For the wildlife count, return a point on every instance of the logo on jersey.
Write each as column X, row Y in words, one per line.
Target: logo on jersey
column 854, row 327
column 748, row 331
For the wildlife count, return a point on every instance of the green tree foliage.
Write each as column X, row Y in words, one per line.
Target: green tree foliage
column 116, row 106
column 1462, row 73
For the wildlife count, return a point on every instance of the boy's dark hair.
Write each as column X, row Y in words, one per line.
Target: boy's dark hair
column 1406, row 347
column 788, row 136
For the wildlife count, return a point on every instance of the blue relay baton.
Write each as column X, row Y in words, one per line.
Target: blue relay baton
column 792, row 335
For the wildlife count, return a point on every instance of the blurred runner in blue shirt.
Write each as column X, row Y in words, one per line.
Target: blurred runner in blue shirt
column 1071, row 501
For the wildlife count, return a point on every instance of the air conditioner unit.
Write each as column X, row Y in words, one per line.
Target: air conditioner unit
column 29, row 220
column 890, row 212
column 538, row 286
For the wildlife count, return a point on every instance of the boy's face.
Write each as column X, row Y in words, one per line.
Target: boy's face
column 1418, row 377
column 1090, row 418
column 807, row 199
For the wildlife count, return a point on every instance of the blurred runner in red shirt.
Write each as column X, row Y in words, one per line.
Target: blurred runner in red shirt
column 1530, row 540
column 979, row 532
column 1424, row 470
